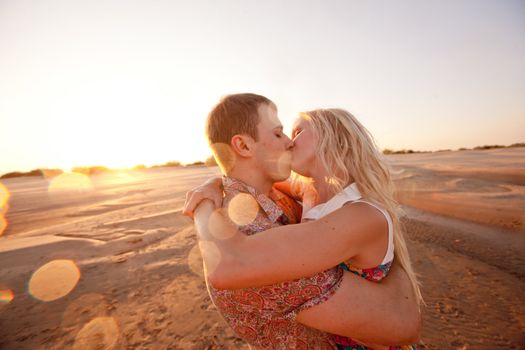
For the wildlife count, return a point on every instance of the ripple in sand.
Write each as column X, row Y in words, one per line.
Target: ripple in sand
column 243, row 209
column 6, row 296
column 54, row 280
column 99, row 333
column 84, row 308
column 70, row 183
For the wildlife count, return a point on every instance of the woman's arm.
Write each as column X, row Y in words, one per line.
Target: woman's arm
column 382, row 313
column 288, row 252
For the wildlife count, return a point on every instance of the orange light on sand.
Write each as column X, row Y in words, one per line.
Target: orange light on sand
column 118, row 177
column 70, row 182
column 99, row 333
column 3, row 224
column 4, row 209
column 243, row 209
column 4, row 197
column 6, row 296
column 195, row 261
column 54, row 280
column 85, row 308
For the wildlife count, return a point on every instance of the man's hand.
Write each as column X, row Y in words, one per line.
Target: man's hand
column 211, row 189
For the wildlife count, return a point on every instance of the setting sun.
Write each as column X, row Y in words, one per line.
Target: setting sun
column 136, row 87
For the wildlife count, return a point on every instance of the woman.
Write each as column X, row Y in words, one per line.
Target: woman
column 347, row 194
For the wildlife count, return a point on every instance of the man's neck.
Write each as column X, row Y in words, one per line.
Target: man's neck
column 251, row 176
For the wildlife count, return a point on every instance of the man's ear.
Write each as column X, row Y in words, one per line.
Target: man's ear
column 243, row 145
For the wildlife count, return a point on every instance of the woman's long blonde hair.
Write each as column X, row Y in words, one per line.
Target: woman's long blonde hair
column 346, row 150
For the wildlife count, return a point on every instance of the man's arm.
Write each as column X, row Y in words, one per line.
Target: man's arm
column 288, row 252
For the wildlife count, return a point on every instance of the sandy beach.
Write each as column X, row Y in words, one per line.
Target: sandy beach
column 135, row 275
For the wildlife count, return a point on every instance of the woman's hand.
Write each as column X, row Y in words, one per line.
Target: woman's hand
column 211, row 189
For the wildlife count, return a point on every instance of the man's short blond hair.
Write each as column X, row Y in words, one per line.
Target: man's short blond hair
column 235, row 115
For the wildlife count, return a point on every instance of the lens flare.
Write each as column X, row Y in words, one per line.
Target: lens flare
column 118, row 177
column 54, row 280
column 224, row 156
column 243, row 209
column 99, row 333
column 6, row 296
column 219, row 226
column 195, row 261
column 211, row 256
column 284, row 166
column 4, row 198
column 3, row 224
column 70, row 182
column 4, row 209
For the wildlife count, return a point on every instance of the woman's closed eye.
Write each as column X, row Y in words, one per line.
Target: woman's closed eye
column 296, row 133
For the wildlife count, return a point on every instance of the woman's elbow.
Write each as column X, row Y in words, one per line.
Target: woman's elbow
column 412, row 329
column 416, row 335
column 219, row 280
column 222, row 275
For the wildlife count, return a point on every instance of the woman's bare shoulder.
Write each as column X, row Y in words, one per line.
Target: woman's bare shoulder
column 355, row 218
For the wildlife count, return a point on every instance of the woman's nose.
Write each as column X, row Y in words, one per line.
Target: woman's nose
column 289, row 143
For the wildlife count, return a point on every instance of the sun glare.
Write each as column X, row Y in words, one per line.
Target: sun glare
column 3, row 224
column 243, row 209
column 6, row 296
column 4, row 197
column 70, row 182
column 99, row 333
column 54, row 280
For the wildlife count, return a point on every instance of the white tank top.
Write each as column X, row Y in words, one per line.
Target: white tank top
column 351, row 194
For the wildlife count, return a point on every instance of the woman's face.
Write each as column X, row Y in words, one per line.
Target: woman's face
column 304, row 149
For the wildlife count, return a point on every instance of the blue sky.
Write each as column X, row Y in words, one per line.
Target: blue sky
column 120, row 83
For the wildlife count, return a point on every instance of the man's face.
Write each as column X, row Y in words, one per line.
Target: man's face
column 273, row 150
column 305, row 147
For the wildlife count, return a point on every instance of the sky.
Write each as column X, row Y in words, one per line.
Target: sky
column 125, row 82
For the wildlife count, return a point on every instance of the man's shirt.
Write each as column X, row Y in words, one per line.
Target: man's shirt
column 264, row 317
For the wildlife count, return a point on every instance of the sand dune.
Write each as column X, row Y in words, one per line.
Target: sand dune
column 141, row 283
column 487, row 187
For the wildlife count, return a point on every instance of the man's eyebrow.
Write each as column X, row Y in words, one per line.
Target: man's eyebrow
column 279, row 127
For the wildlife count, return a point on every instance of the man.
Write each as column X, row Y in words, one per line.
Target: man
column 247, row 139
